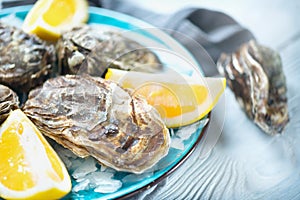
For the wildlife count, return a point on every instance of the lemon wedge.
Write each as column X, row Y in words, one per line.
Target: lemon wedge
column 180, row 99
column 29, row 167
column 49, row 18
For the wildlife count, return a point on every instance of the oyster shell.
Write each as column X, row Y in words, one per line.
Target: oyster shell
column 254, row 73
column 8, row 101
column 91, row 50
column 93, row 116
column 25, row 61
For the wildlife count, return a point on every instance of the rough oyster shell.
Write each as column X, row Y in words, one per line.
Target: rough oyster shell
column 91, row 50
column 255, row 75
column 25, row 61
column 93, row 116
column 8, row 101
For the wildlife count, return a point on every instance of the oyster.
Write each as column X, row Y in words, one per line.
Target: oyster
column 8, row 101
column 93, row 116
column 91, row 50
column 255, row 75
column 25, row 61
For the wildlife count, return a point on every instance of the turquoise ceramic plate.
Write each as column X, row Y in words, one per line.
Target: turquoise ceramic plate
column 173, row 55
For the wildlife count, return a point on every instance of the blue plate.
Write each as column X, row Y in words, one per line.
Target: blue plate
column 172, row 55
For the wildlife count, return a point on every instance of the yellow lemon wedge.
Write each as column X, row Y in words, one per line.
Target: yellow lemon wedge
column 49, row 18
column 180, row 99
column 29, row 167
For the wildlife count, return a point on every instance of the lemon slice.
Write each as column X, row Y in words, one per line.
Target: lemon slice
column 29, row 167
column 49, row 18
column 180, row 99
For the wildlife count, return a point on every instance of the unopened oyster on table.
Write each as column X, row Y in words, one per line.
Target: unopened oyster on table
column 255, row 75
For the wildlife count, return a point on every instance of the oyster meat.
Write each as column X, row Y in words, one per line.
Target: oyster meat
column 254, row 73
column 91, row 50
column 93, row 116
column 8, row 101
column 25, row 60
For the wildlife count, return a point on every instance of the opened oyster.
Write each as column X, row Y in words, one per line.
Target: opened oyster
column 8, row 101
column 92, row 50
column 25, row 61
column 255, row 75
column 92, row 116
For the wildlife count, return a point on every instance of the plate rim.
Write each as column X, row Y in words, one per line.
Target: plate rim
column 136, row 22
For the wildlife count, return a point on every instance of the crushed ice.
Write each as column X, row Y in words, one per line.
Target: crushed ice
column 88, row 173
column 177, row 143
column 184, row 133
column 87, row 166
